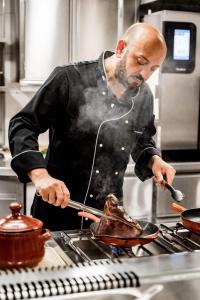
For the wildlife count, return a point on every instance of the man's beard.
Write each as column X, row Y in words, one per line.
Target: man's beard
column 128, row 81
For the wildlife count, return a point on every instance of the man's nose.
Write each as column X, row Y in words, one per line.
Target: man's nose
column 145, row 73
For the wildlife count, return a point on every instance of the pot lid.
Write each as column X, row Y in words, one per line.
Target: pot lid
column 17, row 222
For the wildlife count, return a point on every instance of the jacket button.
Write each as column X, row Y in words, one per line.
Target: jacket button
column 103, row 93
column 116, row 173
column 112, row 105
column 126, row 121
column 91, row 196
column 122, row 148
column 97, row 171
column 100, row 145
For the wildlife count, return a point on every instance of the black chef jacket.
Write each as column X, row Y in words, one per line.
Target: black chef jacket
column 91, row 137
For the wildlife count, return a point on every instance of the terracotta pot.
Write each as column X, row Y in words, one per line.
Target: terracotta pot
column 22, row 239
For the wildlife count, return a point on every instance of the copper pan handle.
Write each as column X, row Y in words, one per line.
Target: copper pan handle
column 88, row 216
column 177, row 207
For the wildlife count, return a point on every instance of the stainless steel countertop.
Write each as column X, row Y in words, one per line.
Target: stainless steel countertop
column 167, row 267
column 178, row 290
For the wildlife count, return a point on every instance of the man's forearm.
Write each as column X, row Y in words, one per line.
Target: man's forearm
column 37, row 173
column 152, row 160
column 51, row 190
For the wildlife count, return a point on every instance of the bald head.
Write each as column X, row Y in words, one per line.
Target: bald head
column 138, row 54
column 146, row 35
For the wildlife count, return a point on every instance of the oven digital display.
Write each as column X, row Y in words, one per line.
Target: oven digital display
column 181, row 49
column 180, row 38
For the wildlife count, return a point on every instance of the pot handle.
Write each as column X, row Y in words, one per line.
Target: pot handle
column 46, row 235
column 88, row 216
column 177, row 207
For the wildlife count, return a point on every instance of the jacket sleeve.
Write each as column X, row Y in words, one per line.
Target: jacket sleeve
column 35, row 118
column 145, row 147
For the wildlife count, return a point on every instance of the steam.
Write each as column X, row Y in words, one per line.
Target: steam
column 98, row 115
column 94, row 109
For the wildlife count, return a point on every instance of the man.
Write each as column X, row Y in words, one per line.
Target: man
column 98, row 113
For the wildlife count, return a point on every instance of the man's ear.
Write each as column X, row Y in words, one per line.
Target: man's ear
column 121, row 45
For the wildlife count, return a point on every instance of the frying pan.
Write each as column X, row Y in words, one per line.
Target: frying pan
column 149, row 233
column 190, row 217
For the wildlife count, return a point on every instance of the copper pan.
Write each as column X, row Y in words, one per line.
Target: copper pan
column 149, row 233
column 189, row 217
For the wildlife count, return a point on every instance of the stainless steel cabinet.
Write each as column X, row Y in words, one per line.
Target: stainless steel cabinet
column 67, row 30
column 189, row 184
column 30, row 192
column 11, row 189
column 187, row 179
column 137, row 198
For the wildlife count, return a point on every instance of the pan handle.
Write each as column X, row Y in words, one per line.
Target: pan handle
column 177, row 207
column 88, row 216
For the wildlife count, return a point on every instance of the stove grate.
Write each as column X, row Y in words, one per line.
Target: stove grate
column 81, row 246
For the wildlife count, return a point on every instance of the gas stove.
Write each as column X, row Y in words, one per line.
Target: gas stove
column 77, row 263
column 81, row 246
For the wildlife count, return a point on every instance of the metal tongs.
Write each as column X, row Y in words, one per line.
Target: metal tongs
column 99, row 213
column 83, row 207
column 89, row 209
column 176, row 194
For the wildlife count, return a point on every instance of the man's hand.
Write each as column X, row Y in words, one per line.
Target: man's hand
column 161, row 170
column 51, row 190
